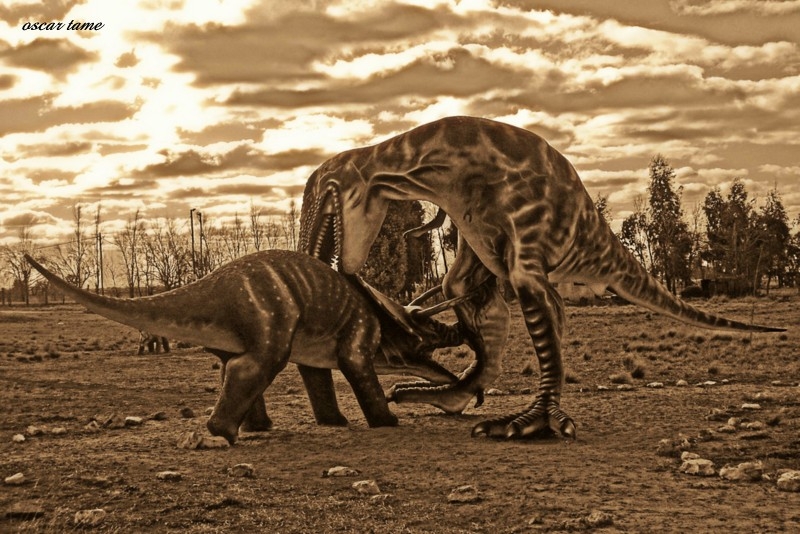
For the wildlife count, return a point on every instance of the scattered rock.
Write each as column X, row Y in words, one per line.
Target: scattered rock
column 779, row 384
column 159, row 416
column 15, row 480
column 241, row 471
column 92, row 426
column 744, row 472
column 190, row 440
column 698, row 466
column 34, row 430
column 90, row 518
column 18, row 438
column 759, row 434
column 187, row 413
column 670, row 447
column 133, row 421
column 170, row 476
column 789, row 481
column 494, row 392
column 25, row 510
column 58, row 431
column 682, row 383
column 340, row 471
column 655, row 385
column 464, row 494
column 366, row 487
column 625, row 387
column 754, row 425
column 112, row 421
column 381, row 498
column 602, row 388
column 726, row 429
column 734, row 421
column 598, row 519
column 214, row 442
column 706, row 384
column 686, row 455
column 751, row 406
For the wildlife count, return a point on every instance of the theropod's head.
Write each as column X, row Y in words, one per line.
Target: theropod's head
column 340, row 216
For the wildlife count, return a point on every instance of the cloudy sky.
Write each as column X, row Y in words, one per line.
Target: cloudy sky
column 209, row 104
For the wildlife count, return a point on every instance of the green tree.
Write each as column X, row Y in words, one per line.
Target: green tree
column 388, row 267
column 668, row 233
column 775, row 237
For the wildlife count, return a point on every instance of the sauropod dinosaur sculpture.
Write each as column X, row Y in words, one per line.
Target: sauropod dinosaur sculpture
column 266, row 309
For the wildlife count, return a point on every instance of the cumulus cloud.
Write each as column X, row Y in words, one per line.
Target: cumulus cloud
column 57, row 56
column 36, row 114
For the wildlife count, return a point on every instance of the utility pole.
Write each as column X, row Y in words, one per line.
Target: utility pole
column 191, row 226
column 202, row 258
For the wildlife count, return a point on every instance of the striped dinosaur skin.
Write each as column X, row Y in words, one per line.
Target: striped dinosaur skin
column 523, row 215
column 269, row 308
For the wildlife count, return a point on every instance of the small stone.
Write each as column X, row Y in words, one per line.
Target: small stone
column 779, row 383
column 726, row 381
column 734, row 421
column 682, row 383
column 92, row 426
column 744, row 472
column 159, row 416
column 726, row 429
column 18, row 438
column 34, row 430
column 754, row 425
column 187, row 413
column 686, row 455
column 698, row 466
column 464, row 494
column 751, row 406
column 366, row 487
column 241, row 471
column 789, row 481
column 340, row 471
column 113, row 421
column 655, row 385
column 90, row 518
column 190, row 440
column 381, row 498
column 170, row 476
column 625, row 387
column 707, row 384
column 494, row 392
column 598, row 519
column 602, row 388
column 15, row 480
column 132, row 420
column 213, row 442
column 58, row 431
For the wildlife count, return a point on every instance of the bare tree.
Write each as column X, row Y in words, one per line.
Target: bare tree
column 290, row 220
column 128, row 243
column 16, row 265
column 257, row 227
column 233, row 239
column 168, row 253
column 73, row 259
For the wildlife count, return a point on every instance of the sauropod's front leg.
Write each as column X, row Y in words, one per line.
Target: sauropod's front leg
column 354, row 351
column 322, row 395
column 484, row 321
column 246, row 377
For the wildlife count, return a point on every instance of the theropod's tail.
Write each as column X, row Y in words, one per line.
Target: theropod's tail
column 636, row 285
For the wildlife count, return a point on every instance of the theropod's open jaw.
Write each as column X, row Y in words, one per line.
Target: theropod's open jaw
column 325, row 242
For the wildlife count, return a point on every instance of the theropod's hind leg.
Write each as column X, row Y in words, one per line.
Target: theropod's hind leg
column 322, row 395
column 543, row 310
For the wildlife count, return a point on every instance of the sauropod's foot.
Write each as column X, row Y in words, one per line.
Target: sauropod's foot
column 543, row 416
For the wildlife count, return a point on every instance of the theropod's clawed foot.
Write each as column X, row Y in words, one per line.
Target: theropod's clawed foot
column 543, row 418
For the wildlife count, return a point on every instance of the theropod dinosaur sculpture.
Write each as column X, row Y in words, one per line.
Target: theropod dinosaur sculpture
column 522, row 215
column 263, row 310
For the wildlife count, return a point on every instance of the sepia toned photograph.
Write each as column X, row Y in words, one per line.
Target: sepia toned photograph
column 399, row 266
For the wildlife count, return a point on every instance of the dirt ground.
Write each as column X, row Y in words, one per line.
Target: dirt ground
column 62, row 368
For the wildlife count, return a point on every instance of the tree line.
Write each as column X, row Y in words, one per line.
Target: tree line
column 728, row 239
column 161, row 254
